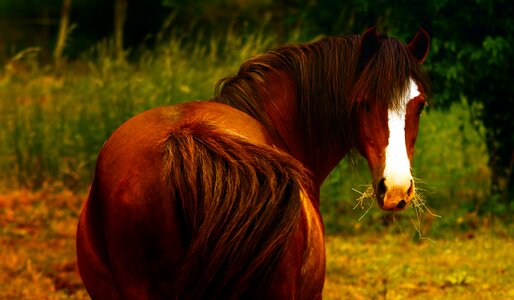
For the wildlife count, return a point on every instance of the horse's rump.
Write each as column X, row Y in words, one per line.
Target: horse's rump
column 241, row 205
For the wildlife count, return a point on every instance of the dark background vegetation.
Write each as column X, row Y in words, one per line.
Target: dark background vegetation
column 175, row 50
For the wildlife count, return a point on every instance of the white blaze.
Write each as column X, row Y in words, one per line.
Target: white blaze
column 397, row 163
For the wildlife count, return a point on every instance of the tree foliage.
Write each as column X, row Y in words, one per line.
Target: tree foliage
column 471, row 59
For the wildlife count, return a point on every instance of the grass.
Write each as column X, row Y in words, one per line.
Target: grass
column 37, row 250
column 53, row 122
column 37, row 245
column 393, row 266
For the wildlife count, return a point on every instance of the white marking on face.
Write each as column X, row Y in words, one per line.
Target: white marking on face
column 397, row 163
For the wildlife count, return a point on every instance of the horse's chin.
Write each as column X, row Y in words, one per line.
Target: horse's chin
column 392, row 209
column 396, row 205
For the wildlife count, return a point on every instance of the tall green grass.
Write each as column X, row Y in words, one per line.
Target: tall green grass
column 52, row 125
column 54, row 122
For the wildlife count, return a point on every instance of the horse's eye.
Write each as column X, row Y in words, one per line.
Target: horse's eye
column 421, row 106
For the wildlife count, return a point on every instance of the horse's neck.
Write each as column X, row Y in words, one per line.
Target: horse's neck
column 282, row 108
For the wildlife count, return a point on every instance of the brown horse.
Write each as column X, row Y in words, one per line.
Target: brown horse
column 220, row 199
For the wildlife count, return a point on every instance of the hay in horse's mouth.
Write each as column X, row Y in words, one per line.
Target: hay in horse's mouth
column 418, row 203
column 369, row 193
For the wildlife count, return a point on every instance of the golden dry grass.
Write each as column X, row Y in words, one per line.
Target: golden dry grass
column 37, row 258
column 37, row 246
column 472, row 266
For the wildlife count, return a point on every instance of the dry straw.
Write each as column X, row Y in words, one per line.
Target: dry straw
column 418, row 203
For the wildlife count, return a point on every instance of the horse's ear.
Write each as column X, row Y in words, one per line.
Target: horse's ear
column 420, row 45
column 369, row 45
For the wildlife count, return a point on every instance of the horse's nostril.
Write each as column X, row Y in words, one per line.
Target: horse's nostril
column 401, row 204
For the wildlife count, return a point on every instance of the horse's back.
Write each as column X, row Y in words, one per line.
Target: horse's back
column 134, row 235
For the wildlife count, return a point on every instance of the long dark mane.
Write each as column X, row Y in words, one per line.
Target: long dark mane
column 330, row 78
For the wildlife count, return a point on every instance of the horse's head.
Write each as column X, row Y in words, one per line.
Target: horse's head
column 388, row 127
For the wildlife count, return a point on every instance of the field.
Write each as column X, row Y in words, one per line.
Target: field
column 53, row 123
column 393, row 266
column 37, row 247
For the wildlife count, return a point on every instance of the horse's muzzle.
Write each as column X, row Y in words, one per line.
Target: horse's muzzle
column 394, row 196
